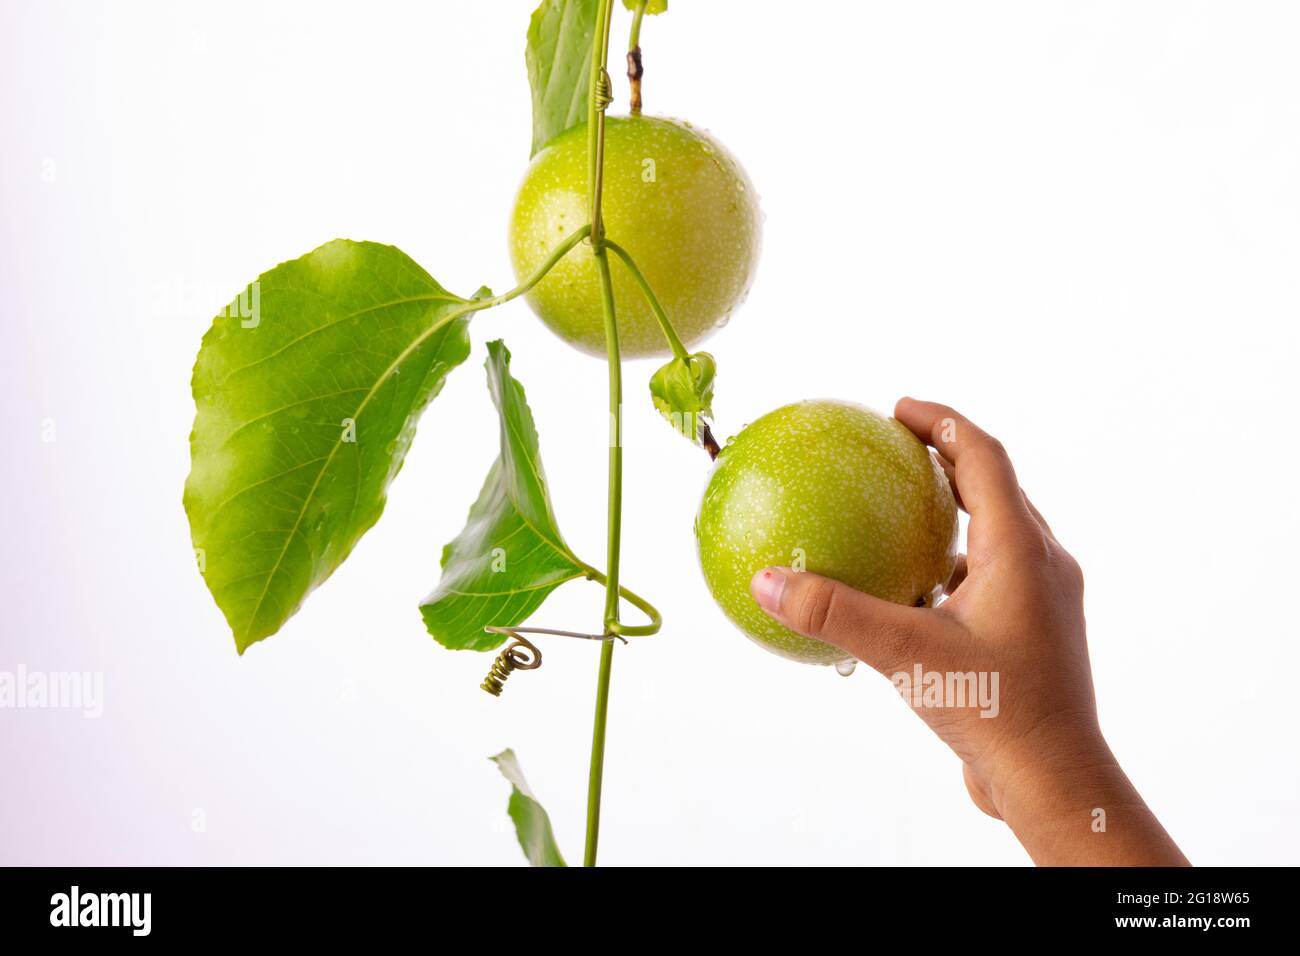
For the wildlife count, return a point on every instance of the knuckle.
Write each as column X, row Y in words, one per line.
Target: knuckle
column 1030, row 546
column 1071, row 569
column 993, row 449
column 984, row 458
column 813, row 609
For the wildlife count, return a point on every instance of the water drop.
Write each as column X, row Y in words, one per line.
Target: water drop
column 845, row 668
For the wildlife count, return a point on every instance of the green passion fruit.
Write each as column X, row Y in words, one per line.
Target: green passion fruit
column 674, row 198
column 833, row 488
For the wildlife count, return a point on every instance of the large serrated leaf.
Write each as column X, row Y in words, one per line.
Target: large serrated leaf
column 308, row 388
column 532, row 824
column 511, row 554
column 559, row 63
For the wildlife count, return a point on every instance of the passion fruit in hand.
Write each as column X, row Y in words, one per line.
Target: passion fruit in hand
column 674, row 198
column 833, row 488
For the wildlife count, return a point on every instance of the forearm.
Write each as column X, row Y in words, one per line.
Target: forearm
column 1082, row 810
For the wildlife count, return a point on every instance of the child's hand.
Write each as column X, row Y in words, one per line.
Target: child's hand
column 1015, row 609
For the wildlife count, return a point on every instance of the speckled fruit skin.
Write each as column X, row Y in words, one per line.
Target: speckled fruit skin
column 851, row 491
column 674, row 198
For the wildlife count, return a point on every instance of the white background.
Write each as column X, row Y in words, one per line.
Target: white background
column 1078, row 223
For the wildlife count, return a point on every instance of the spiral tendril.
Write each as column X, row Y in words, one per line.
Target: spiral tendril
column 604, row 94
column 520, row 655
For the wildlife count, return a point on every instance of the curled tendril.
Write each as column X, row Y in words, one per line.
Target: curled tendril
column 604, row 93
column 521, row 655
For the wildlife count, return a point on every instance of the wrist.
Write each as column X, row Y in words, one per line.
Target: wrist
column 1071, row 804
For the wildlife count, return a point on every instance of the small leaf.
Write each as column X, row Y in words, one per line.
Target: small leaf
column 308, row 388
column 652, row 7
column 683, row 393
column 532, row 825
column 511, row 554
column 559, row 63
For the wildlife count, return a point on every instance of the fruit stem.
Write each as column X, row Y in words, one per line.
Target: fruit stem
column 597, row 100
column 634, row 69
column 674, row 342
column 709, row 442
column 670, row 333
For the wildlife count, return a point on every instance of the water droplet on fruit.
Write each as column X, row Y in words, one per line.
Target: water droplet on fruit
column 845, row 668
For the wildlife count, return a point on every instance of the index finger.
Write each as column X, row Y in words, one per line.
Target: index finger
column 983, row 472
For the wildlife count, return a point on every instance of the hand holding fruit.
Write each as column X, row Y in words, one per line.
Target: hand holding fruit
column 830, row 487
column 1015, row 608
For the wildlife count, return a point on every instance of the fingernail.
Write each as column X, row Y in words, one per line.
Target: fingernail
column 766, row 587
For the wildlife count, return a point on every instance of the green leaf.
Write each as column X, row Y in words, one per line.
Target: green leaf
column 308, row 388
column 511, row 554
column 683, row 393
column 652, row 7
column 559, row 63
column 532, row 825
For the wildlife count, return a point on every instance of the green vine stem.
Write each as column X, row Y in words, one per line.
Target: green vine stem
column 709, row 443
column 638, row 602
column 597, row 100
column 670, row 333
column 558, row 253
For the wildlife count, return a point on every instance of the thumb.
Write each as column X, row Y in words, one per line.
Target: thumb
column 890, row 637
